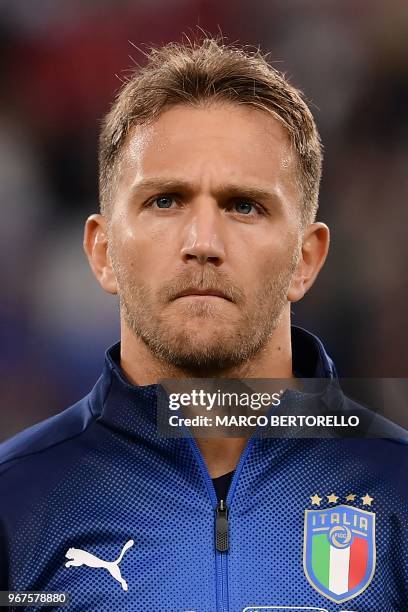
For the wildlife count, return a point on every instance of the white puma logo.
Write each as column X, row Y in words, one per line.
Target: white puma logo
column 82, row 557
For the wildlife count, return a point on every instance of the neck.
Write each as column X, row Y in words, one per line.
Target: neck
column 273, row 361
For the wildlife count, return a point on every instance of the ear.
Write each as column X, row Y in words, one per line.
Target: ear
column 315, row 246
column 96, row 249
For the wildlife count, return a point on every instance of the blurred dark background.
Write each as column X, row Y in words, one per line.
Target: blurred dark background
column 61, row 63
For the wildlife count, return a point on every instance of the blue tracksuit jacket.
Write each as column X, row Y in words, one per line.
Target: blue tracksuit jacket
column 95, row 504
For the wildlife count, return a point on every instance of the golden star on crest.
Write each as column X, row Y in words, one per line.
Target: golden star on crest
column 367, row 500
column 332, row 498
column 351, row 497
column 316, row 500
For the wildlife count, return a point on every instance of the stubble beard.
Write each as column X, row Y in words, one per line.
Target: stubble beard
column 228, row 344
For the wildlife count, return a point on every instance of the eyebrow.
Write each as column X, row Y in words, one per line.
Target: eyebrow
column 162, row 185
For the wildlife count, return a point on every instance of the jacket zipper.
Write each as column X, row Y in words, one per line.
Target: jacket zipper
column 221, row 546
column 221, row 526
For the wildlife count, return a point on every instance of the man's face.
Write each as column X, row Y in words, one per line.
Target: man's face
column 204, row 234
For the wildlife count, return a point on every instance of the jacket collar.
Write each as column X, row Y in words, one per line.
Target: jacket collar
column 309, row 356
column 132, row 408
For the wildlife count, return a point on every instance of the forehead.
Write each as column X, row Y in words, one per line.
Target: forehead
column 220, row 142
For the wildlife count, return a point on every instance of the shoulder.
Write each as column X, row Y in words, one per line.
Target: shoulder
column 46, row 435
column 36, row 461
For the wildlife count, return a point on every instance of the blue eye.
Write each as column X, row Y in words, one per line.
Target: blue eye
column 243, row 207
column 163, row 201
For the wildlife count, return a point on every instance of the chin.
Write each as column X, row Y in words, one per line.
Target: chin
column 203, row 308
column 206, row 337
column 202, row 341
column 205, row 348
column 209, row 361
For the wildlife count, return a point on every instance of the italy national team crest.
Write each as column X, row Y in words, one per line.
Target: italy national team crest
column 339, row 548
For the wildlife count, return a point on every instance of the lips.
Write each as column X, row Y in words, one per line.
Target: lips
column 195, row 291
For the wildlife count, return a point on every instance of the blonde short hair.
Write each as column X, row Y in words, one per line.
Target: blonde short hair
column 200, row 72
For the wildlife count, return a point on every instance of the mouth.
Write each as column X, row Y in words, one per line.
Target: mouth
column 195, row 293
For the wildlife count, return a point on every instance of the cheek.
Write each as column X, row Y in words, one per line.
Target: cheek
column 273, row 269
column 142, row 254
column 259, row 261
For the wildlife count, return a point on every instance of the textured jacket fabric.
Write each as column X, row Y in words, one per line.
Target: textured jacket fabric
column 98, row 479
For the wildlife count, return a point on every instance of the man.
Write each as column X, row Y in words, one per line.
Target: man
column 210, row 164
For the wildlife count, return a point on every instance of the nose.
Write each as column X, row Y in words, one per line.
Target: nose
column 203, row 234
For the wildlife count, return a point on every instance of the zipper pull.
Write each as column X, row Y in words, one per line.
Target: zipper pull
column 221, row 527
